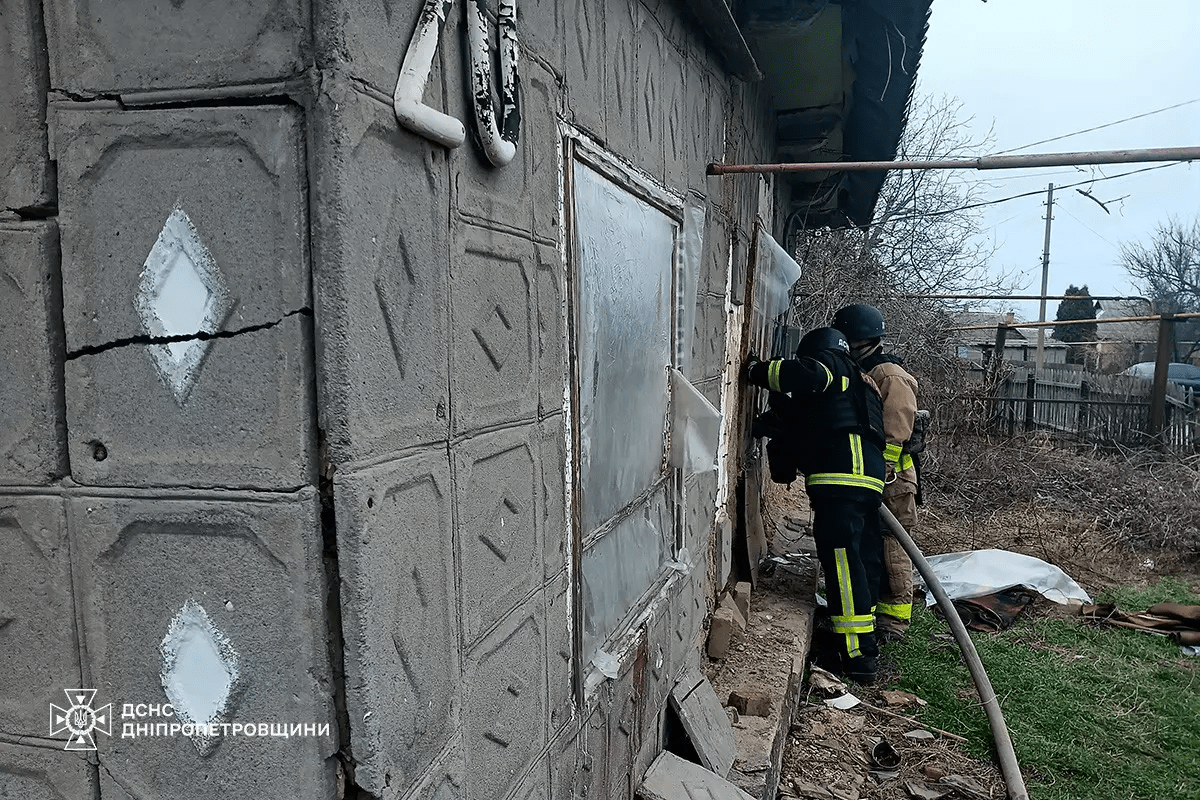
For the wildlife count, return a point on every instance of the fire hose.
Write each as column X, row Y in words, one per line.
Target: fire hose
column 1009, row 768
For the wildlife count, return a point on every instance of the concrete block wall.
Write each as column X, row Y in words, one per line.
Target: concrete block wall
column 358, row 466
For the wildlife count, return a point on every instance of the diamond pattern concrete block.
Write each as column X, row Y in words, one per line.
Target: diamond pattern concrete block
column 624, row 727
column 380, row 241
column 498, row 500
column 679, row 132
column 97, row 47
column 32, row 444
column 620, row 80
column 33, row 773
column 649, row 101
column 396, row 553
column 493, row 353
column 541, row 108
column 123, row 174
column 37, row 614
column 700, row 493
column 144, row 569
column 558, row 655
column 551, row 331
column 25, row 178
column 704, row 720
column 368, row 39
column 247, row 420
column 672, row 778
column 578, row 762
column 495, row 196
column 586, row 65
column 505, row 702
column 556, row 537
column 445, row 780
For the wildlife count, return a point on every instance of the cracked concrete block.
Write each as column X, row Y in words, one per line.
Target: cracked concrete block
column 214, row 602
column 704, row 720
column 498, row 499
column 672, row 778
column 578, row 762
column 25, row 177
column 396, row 558
column 34, row 773
column 39, row 657
column 245, row 422
column 624, row 729
column 494, row 372
column 588, row 66
column 104, row 47
column 504, row 702
column 234, row 257
column 32, row 437
column 381, row 271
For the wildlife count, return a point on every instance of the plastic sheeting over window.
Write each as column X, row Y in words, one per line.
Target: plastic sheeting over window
column 775, row 273
column 625, row 253
column 621, row 566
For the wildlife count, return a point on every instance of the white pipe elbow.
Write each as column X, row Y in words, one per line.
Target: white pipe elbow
column 407, row 99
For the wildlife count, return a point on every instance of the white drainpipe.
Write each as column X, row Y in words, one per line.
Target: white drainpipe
column 407, row 100
column 499, row 142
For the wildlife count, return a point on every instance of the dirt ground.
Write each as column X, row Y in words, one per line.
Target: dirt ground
column 1108, row 520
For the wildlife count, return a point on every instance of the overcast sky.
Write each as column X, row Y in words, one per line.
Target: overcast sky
column 1036, row 69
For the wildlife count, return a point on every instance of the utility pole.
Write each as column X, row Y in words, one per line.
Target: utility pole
column 1041, row 344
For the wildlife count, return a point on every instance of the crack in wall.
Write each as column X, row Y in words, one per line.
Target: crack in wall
column 202, row 336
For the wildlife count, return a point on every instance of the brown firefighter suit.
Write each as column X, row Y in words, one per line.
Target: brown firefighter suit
column 899, row 391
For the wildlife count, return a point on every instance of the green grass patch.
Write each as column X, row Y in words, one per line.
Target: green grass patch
column 1095, row 713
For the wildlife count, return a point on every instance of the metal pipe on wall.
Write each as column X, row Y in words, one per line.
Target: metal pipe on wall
column 407, row 99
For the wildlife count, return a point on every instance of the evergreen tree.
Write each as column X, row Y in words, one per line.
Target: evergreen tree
column 1079, row 306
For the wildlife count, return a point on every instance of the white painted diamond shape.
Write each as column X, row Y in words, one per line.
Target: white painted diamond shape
column 181, row 293
column 200, row 671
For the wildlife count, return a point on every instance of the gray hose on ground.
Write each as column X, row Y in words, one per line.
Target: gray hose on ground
column 1004, row 747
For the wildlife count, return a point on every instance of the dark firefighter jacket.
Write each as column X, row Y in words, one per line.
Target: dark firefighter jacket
column 832, row 421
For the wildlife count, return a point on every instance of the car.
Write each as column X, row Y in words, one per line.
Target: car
column 1187, row 375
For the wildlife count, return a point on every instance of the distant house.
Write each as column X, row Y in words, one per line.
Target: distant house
column 974, row 339
column 1122, row 344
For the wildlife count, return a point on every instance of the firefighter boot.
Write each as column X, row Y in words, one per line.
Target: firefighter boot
column 862, row 668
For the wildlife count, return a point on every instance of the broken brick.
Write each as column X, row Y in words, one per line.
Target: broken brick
column 751, row 702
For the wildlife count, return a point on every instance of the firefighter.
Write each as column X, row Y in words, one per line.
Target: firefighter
column 832, row 428
column 863, row 326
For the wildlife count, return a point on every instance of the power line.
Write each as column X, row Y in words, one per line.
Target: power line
column 1098, row 127
column 1038, row 192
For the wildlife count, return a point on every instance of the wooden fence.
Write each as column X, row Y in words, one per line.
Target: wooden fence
column 1064, row 401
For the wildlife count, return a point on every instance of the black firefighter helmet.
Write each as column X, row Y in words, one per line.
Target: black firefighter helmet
column 819, row 339
column 859, row 322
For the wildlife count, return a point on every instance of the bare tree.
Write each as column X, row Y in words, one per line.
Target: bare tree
column 927, row 229
column 1166, row 269
column 925, row 238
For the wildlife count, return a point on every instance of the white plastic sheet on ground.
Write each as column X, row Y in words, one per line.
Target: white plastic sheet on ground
column 982, row 572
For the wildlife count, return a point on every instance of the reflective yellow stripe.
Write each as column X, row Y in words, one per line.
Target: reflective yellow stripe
column 891, row 453
column 897, row 610
column 856, row 455
column 773, row 375
column 845, row 589
column 845, row 383
column 828, row 376
column 906, row 462
column 843, row 479
column 856, row 624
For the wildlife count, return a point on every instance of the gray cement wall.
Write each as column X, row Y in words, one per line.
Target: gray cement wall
column 355, row 461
